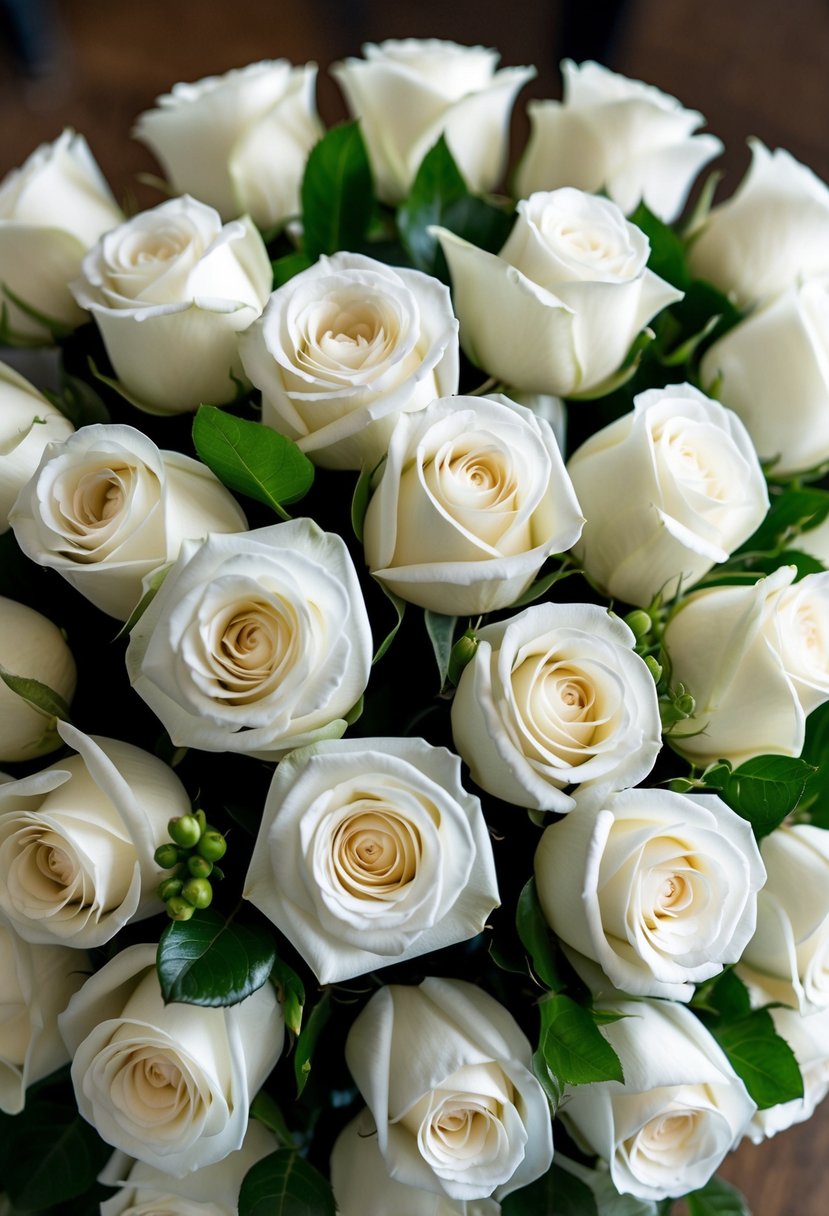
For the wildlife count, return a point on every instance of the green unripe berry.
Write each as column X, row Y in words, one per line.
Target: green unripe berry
column 212, row 845
column 199, row 867
column 166, row 856
column 654, row 668
column 178, row 908
column 198, row 892
column 169, row 887
column 185, row 830
column 639, row 623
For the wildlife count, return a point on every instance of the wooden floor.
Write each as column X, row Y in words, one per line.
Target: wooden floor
column 753, row 67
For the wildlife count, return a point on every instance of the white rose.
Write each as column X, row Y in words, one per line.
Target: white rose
column 343, row 348
column 681, row 1108
column 77, row 841
column 363, row 1186
column 472, row 500
column 553, row 697
column 773, row 370
column 168, row 1084
column 558, row 309
column 808, row 1038
column 756, row 660
column 618, row 135
column 788, row 956
column 31, row 647
column 106, row 508
column 446, row 1073
column 659, row 889
column 370, row 852
column 256, row 643
column 170, row 290
column 37, row 984
column 212, row 1190
column 771, row 234
column 408, row 92
column 52, row 210
column 27, row 424
column 240, row 141
column 668, row 490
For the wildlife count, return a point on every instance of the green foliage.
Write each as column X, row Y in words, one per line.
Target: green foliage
column 251, row 458
column 534, row 933
column 291, row 992
column 716, row 1198
column 210, row 960
column 763, row 790
column 556, row 1193
column 441, row 631
column 283, row 1184
column 758, row 1055
column 791, row 512
column 439, row 197
column 307, row 1040
column 40, row 696
column 667, row 256
column 49, row 1155
column 337, row 192
column 572, row 1046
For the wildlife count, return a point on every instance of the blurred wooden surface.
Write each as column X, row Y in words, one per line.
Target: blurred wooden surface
column 752, row 67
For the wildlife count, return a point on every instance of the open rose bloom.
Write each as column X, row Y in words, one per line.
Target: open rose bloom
column 414, row 652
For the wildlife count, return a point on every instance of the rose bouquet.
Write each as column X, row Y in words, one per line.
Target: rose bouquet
column 353, row 855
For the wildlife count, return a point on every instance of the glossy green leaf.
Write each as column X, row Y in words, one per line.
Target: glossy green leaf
column 209, row 960
column 266, row 1111
column 556, row 1193
column 283, row 1184
column 251, row 458
column 716, row 1198
column 337, row 192
column 725, row 995
column 763, row 790
column 534, row 933
column 441, row 631
column 791, row 512
column 307, row 1041
column 667, row 256
column 291, row 992
column 50, row 1155
column 759, row 1055
column 286, row 267
column 40, row 696
column 573, row 1047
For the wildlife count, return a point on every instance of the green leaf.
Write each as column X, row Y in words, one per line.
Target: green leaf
column 286, row 267
column 790, row 513
column 763, row 790
column 716, row 1198
column 534, row 933
column 438, row 183
column 816, row 751
column 400, row 608
column 361, row 499
column 266, row 1111
column 40, row 696
column 667, row 256
column 763, row 1059
column 573, row 1047
column 291, row 992
column 252, row 458
column 78, row 401
column 441, row 631
column 153, row 586
column 285, row 1185
column 608, row 1200
column 556, row 1193
column 538, row 588
column 307, row 1040
column 50, row 1156
column 209, row 960
column 725, row 995
column 337, row 192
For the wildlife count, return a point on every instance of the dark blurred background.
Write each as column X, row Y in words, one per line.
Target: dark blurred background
column 752, row 67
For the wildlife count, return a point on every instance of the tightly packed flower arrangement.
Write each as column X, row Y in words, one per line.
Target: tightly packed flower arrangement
column 353, row 857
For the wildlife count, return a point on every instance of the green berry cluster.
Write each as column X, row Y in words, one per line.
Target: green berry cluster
column 192, row 856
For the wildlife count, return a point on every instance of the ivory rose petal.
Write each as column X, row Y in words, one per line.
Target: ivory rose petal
column 371, row 852
column 471, row 501
column 168, row 1084
column 77, row 841
column 257, row 644
column 28, row 422
column 107, row 508
column 31, row 647
column 445, row 1071
column 665, row 1129
column 557, row 310
column 552, row 697
column 618, row 135
column 238, row 142
column 407, row 92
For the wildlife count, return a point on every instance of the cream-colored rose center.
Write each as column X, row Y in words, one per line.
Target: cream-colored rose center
column 375, row 853
column 671, row 1134
column 160, row 245
column 462, row 1127
column 345, row 334
column 560, row 707
column 56, row 864
column 251, row 643
column 149, row 1087
column 691, row 454
column 596, row 247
